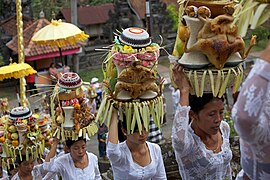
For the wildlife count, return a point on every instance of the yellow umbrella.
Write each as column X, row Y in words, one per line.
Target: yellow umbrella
column 59, row 34
column 14, row 70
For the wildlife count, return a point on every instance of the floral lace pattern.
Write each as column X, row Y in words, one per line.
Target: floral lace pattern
column 251, row 114
column 194, row 160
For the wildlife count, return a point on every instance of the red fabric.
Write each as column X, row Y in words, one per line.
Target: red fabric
column 30, row 78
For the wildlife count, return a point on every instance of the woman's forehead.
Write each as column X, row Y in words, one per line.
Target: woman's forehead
column 29, row 161
column 79, row 143
column 214, row 104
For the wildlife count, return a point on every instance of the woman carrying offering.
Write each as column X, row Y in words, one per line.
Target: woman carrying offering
column 26, row 169
column 202, row 146
column 134, row 158
column 78, row 164
column 252, row 122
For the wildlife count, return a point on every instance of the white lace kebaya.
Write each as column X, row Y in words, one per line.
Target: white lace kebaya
column 194, row 160
column 251, row 114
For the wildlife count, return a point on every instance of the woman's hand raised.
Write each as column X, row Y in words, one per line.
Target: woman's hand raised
column 180, row 79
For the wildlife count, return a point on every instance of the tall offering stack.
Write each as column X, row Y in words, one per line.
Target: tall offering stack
column 213, row 49
column 71, row 116
column 131, row 81
column 22, row 136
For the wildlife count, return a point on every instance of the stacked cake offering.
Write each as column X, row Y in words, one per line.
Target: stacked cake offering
column 23, row 135
column 132, row 45
column 213, row 49
column 71, row 116
column 137, row 92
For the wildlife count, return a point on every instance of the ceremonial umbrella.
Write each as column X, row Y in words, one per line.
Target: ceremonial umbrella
column 17, row 71
column 59, row 34
column 14, row 70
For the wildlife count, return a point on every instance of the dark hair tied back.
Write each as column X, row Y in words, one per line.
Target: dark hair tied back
column 70, row 142
column 198, row 103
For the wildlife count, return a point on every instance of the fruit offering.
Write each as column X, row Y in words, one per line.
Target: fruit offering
column 137, row 91
column 23, row 135
column 71, row 116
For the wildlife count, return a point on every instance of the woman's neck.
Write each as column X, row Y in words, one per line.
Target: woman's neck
column 81, row 163
column 135, row 147
column 25, row 175
column 79, row 160
column 140, row 153
column 204, row 136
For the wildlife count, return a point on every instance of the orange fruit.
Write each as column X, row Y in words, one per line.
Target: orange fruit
column 15, row 143
column 182, row 33
column 2, row 139
column 9, row 135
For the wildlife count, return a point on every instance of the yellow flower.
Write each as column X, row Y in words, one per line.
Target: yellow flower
column 128, row 48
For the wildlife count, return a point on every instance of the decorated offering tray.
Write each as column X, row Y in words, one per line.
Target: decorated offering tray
column 216, row 7
column 71, row 116
column 69, row 80
column 135, row 37
column 213, row 49
column 137, row 92
column 23, row 135
column 214, row 80
column 134, row 44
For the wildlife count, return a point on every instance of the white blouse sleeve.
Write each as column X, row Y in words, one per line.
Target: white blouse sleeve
column 161, row 174
column 38, row 171
column 97, row 172
column 53, row 166
column 228, row 172
column 182, row 140
column 113, row 152
column 251, row 111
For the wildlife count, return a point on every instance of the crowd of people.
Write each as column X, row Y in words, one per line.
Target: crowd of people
column 200, row 138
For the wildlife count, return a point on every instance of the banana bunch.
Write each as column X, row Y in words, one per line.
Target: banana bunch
column 135, row 112
column 215, row 80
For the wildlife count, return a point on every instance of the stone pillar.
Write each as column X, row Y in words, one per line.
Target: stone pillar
column 74, row 13
column 75, row 62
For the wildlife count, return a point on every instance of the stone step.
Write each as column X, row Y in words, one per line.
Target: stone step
column 173, row 175
column 105, row 177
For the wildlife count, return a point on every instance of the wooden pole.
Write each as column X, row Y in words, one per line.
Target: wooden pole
column 23, row 99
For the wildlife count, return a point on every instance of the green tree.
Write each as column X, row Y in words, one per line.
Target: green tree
column 262, row 34
column 49, row 7
column 173, row 14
